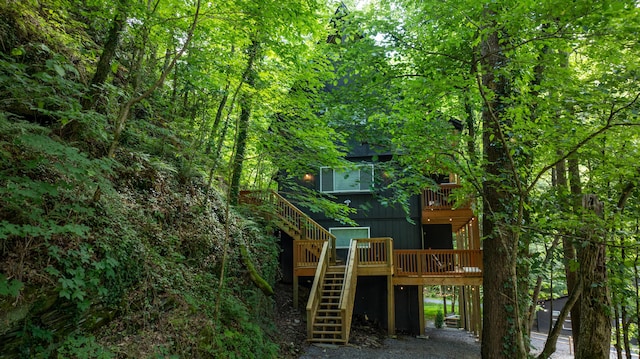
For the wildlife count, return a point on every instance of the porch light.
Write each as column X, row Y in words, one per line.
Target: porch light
column 307, row 177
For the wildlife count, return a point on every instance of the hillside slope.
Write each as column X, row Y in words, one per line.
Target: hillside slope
column 123, row 256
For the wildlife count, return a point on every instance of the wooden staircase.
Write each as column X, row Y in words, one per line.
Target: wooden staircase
column 327, row 323
column 331, row 300
column 332, row 296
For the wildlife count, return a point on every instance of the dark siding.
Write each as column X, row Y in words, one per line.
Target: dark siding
column 383, row 221
column 286, row 257
column 407, row 312
column 438, row 236
column 371, row 299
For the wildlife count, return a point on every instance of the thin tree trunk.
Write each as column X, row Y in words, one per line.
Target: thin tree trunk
column 537, row 288
column 625, row 332
column 243, row 127
column 123, row 114
column 218, row 118
column 616, row 311
column 575, row 188
column 636, row 282
column 552, row 340
column 103, row 68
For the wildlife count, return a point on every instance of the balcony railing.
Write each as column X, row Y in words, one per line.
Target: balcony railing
column 438, row 262
column 441, row 198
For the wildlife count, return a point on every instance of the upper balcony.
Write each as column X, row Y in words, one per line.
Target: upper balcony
column 439, row 207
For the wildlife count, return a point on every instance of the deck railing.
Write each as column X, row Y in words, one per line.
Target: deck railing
column 464, row 263
column 375, row 252
column 441, row 198
column 306, row 253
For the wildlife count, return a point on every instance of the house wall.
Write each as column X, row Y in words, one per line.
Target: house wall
column 371, row 300
column 382, row 221
column 544, row 316
column 407, row 311
column 286, row 257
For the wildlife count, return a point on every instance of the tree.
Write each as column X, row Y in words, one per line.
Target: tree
column 537, row 72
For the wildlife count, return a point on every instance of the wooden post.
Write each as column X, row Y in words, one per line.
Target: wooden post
column 421, row 307
column 477, row 314
column 391, row 313
column 295, row 291
column 475, row 237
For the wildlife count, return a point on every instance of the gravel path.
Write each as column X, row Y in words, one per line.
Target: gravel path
column 445, row 343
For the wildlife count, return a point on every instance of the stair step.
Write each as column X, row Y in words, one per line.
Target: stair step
column 326, row 340
column 327, row 332
column 320, row 325
column 324, row 318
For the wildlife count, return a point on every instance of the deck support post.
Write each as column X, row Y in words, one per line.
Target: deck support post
column 477, row 330
column 421, row 308
column 295, row 291
column 391, row 307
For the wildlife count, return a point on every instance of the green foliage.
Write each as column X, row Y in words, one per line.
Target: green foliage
column 82, row 347
column 439, row 319
column 10, row 287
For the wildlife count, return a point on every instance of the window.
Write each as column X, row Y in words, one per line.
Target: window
column 359, row 179
column 344, row 235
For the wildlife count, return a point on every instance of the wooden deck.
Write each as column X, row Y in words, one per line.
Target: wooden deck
column 376, row 257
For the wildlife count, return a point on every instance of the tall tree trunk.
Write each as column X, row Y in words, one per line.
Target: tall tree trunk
column 502, row 328
column 595, row 302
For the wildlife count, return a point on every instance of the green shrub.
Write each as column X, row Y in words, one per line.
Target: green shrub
column 439, row 322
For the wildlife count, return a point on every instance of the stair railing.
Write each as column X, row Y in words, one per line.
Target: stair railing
column 348, row 293
column 316, row 290
column 291, row 217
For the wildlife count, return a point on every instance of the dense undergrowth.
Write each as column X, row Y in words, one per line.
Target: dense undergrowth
column 112, row 257
column 121, row 258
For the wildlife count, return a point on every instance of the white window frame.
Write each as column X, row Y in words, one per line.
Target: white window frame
column 336, row 173
column 331, row 229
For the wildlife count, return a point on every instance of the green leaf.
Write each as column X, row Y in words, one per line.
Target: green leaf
column 10, row 288
column 59, row 70
column 17, row 51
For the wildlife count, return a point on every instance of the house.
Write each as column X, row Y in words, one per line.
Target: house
column 378, row 268
column 548, row 313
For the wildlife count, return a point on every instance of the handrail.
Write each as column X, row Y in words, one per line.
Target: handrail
column 316, row 289
column 425, row 262
column 348, row 293
column 292, row 217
